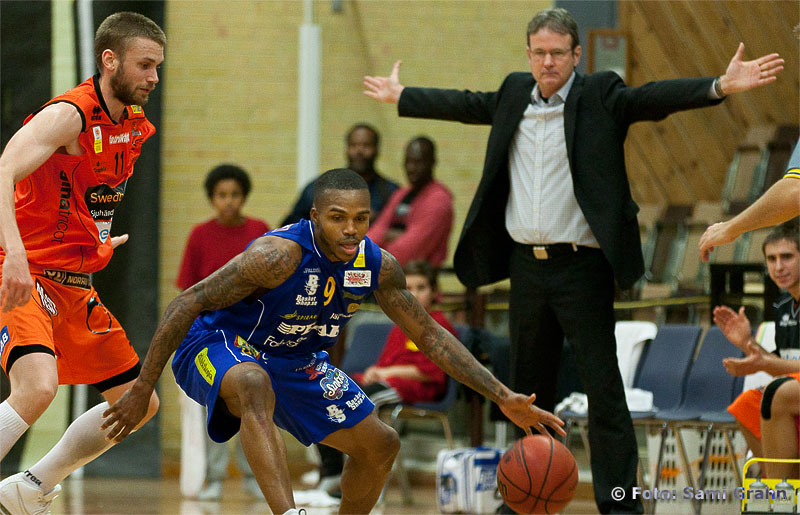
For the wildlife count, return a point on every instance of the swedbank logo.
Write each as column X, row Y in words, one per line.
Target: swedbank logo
column 102, row 200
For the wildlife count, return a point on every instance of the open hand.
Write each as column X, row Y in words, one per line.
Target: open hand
column 756, row 360
column 735, row 326
column 385, row 89
column 521, row 411
column 126, row 414
column 116, row 241
column 746, row 75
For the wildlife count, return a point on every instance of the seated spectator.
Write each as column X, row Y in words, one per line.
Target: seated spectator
column 211, row 245
column 403, row 374
column 362, row 145
column 782, row 252
column 418, row 218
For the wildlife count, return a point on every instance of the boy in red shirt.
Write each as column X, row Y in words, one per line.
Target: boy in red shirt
column 213, row 243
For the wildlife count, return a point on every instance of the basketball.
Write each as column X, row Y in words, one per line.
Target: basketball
column 537, row 475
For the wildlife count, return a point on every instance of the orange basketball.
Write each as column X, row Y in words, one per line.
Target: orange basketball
column 537, row 475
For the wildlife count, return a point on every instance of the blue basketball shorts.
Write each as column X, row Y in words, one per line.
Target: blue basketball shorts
column 312, row 397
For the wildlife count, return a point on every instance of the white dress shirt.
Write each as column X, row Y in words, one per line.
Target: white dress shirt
column 542, row 207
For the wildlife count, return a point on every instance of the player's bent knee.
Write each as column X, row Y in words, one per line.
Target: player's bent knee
column 776, row 393
column 33, row 398
column 389, row 444
column 254, row 389
column 788, row 395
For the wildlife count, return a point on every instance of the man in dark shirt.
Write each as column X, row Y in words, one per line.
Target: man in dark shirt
column 362, row 147
column 782, row 254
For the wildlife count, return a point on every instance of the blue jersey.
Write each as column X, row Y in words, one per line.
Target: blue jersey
column 284, row 332
column 306, row 312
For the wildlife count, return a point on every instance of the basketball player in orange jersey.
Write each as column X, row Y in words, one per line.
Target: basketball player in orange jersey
column 61, row 177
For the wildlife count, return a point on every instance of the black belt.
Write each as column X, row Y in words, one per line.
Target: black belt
column 67, row 278
column 552, row 250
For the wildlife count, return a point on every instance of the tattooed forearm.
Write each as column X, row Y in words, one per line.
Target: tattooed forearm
column 452, row 357
column 264, row 265
column 437, row 343
column 174, row 325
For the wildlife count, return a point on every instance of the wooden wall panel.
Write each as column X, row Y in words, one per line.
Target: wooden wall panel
column 684, row 158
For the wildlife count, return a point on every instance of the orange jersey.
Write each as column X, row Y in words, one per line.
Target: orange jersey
column 65, row 207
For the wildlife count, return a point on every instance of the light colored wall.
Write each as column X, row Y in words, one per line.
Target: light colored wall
column 230, row 82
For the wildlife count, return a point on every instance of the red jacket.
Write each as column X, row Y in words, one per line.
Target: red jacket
column 428, row 224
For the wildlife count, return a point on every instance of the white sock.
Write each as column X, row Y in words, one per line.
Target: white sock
column 82, row 442
column 11, row 428
column 295, row 511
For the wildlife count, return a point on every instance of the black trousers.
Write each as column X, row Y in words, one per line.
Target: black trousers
column 572, row 295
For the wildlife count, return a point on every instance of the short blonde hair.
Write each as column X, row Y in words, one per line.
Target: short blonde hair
column 119, row 29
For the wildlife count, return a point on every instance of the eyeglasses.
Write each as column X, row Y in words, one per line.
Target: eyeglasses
column 93, row 302
column 557, row 54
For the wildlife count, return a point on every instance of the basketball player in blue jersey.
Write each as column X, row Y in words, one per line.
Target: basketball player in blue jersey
column 249, row 344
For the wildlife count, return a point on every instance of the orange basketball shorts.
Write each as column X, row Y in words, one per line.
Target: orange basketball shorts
column 747, row 408
column 89, row 343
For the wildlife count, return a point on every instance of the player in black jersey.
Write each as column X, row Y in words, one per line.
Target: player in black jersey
column 767, row 417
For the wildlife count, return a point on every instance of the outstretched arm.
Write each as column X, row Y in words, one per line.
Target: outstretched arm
column 451, row 356
column 746, row 75
column 264, row 265
column 780, row 203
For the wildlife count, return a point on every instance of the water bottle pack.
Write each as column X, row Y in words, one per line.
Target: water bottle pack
column 466, row 480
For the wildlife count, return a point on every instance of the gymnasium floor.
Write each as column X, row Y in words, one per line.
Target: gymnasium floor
column 150, row 496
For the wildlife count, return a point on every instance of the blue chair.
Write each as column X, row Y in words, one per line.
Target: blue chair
column 709, row 391
column 366, row 346
column 674, row 345
column 709, row 387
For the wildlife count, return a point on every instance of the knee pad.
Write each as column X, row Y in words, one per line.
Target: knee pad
column 769, row 394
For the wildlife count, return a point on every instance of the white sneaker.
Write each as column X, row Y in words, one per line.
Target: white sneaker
column 212, row 491
column 19, row 497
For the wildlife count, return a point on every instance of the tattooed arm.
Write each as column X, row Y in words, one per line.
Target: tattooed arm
column 264, row 265
column 449, row 354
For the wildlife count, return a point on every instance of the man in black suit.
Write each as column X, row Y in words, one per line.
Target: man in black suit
column 553, row 211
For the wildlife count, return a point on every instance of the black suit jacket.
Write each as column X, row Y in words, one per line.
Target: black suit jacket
column 598, row 111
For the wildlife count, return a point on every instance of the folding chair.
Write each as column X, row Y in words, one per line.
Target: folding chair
column 709, row 391
column 673, row 344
